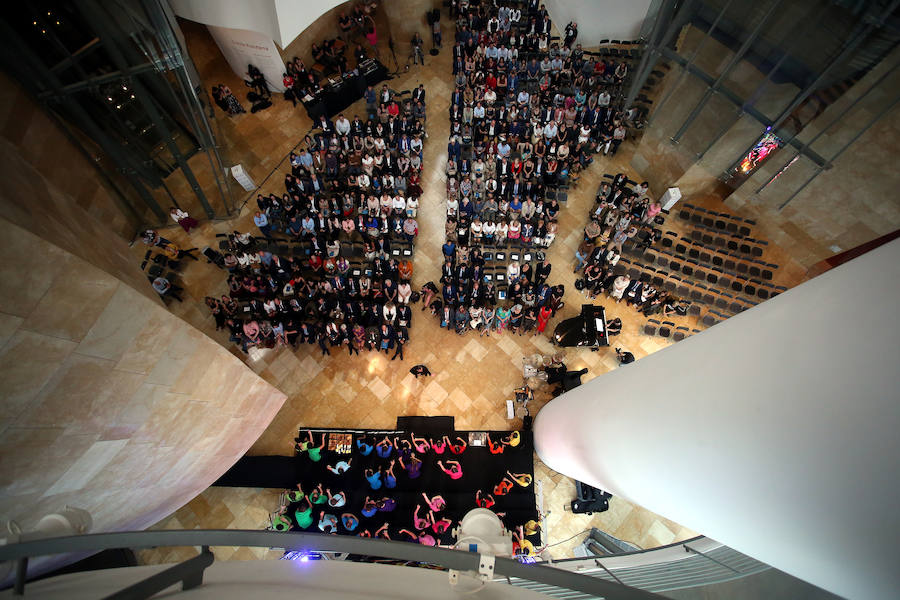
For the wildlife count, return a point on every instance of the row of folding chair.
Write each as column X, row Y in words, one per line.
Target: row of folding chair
column 716, row 276
column 707, row 241
column 697, row 292
column 710, row 256
column 668, row 329
column 718, row 220
column 745, row 246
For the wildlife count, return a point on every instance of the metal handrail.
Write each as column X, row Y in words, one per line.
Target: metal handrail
column 316, row 542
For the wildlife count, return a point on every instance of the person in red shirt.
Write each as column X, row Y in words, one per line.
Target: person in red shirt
column 484, row 501
column 456, row 448
column 495, row 448
column 503, row 488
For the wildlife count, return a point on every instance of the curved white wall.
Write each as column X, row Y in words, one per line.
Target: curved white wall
column 280, row 20
column 776, row 432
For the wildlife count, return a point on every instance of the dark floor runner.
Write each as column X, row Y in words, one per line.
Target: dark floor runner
column 426, row 425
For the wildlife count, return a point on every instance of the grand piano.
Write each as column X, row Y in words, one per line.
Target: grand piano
column 586, row 330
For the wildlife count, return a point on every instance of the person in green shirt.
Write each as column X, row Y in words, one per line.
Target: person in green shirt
column 315, row 452
column 281, row 523
column 317, row 496
column 304, row 517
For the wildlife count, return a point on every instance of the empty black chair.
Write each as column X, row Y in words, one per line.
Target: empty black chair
column 696, row 235
column 737, row 286
column 680, row 248
column 718, row 261
column 754, row 271
column 732, row 245
column 650, row 258
column 667, row 242
column 736, row 307
column 719, row 241
column 709, row 299
column 724, row 281
column 649, row 329
column 674, row 266
column 657, row 281
column 705, row 257
column 745, row 231
column 730, row 264
column 679, row 334
column 708, row 221
column 662, row 261
column 745, row 248
column 645, row 277
column 720, row 224
column 696, row 295
column 766, row 274
column 696, row 218
column 712, row 278
column 756, row 251
column 634, row 273
column 707, row 239
column 731, row 227
column 694, row 310
column 694, row 253
column 700, row 274
column 687, row 270
column 763, row 294
column 664, row 331
column 709, row 320
column 742, row 268
column 685, row 215
column 750, row 289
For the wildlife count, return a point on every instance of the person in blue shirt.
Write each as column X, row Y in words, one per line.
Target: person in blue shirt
column 349, row 521
column 383, row 448
column 342, row 466
column 390, row 481
column 374, row 478
column 262, row 222
column 364, row 447
column 369, row 508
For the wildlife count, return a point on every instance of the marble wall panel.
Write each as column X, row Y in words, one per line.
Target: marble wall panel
column 109, row 402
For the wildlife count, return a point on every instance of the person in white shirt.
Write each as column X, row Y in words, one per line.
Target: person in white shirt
column 603, row 98
column 550, row 130
column 342, row 125
column 399, row 204
column 412, row 207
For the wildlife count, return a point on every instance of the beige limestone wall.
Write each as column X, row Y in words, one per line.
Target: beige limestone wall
column 850, row 204
column 109, row 402
column 46, row 205
column 43, row 145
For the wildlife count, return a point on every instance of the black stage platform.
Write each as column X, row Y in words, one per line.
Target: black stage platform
column 336, row 97
column 482, row 470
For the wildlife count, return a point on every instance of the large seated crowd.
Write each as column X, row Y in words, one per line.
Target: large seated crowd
column 326, row 268
column 526, row 116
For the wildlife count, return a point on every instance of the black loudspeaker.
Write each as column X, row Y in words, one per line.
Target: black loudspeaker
column 435, row 16
column 429, row 16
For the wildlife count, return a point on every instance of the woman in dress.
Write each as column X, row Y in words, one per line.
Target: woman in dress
column 618, row 287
